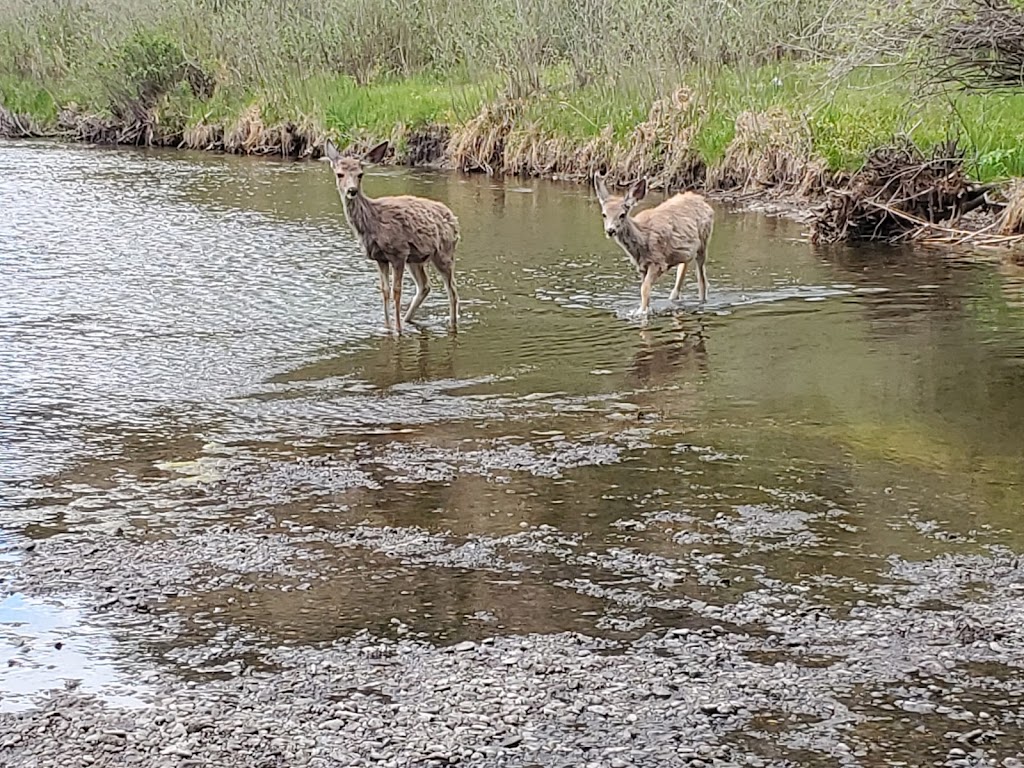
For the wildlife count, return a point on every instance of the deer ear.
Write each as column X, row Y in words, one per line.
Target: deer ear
column 599, row 187
column 376, row 154
column 331, row 151
column 638, row 192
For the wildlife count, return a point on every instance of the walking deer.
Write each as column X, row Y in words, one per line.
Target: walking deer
column 396, row 232
column 673, row 234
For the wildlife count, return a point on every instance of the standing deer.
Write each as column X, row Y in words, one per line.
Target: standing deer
column 671, row 235
column 398, row 231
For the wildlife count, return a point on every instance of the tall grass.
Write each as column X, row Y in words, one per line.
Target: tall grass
column 263, row 42
column 582, row 70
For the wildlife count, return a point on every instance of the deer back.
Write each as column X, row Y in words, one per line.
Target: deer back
column 677, row 229
column 407, row 227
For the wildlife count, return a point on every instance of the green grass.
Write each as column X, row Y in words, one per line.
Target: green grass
column 27, row 98
column 845, row 119
column 353, row 111
column 600, row 67
column 990, row 127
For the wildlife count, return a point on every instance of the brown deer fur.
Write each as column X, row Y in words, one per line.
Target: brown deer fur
column 673, row 234
column 398, row 231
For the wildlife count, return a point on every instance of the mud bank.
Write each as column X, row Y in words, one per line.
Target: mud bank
column 768, row 166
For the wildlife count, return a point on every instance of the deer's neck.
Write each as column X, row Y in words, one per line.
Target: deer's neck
column 359, row 215
column 631, row 239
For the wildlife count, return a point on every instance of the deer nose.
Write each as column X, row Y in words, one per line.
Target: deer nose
column 350, row 192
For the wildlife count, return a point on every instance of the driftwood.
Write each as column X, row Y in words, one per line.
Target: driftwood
column 15, row 126
column 902, row 195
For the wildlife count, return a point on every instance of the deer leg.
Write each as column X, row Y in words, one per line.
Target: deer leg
column 419, row 276
column 448, row 276
column 396, row 292
column 702, row 279
column 653, row 273
column 680, row 276
column 385, row 289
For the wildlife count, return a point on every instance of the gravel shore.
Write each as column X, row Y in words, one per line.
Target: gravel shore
column 770, row 678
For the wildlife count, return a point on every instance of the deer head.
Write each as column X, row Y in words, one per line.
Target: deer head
column 348, row 171
column 615, row 209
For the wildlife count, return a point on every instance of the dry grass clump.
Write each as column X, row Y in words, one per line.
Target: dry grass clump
column 302, row 140
column 203, row 136
column 770, row 150
column 661, row 147
column 595, row 155
column 532, row 152
column 498, row 140
column 479, row 145
column 1011, row 220
column 250, row 135
column 529, row 152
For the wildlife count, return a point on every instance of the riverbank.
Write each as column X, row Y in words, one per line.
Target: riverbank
column 756, row 135
column 790, row 101
column 772, row 125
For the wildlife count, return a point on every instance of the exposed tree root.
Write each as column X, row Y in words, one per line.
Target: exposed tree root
column 15, row 126
column 900, row 195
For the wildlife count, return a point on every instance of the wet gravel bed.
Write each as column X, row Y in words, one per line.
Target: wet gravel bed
column 697, row 693
column 553, row 700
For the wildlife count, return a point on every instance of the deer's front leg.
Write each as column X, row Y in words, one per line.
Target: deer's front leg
column 385, row 289
column 680, row 276
column 645, row 290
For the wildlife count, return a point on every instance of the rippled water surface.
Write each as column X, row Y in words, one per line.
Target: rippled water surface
column 195, row 341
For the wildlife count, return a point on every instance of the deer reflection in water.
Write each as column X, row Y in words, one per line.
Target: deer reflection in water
column 677, row 361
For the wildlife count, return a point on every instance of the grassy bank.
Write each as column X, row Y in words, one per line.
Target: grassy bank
column 698, row 93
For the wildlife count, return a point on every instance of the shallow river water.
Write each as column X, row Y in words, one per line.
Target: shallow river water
column 199, row 404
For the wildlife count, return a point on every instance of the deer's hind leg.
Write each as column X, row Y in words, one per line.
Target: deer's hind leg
column 702, row 277
column 419, row 276
column 446, row 267
column 680, row 276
